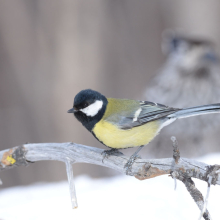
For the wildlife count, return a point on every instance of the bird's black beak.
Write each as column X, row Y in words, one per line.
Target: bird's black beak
column 72, row 110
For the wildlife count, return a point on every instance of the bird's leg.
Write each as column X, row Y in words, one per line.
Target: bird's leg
column 113, row 151
column 133, row 157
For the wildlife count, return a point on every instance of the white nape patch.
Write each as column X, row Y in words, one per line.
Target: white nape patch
column 92, row 109
column 169, row 121
column 137, row 113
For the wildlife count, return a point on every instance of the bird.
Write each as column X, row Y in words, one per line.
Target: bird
column 190, row 76
column 126, row 123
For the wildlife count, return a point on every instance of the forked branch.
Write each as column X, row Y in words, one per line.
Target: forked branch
column 69, row 153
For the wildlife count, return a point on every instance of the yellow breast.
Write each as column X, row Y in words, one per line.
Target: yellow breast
column 114, row 137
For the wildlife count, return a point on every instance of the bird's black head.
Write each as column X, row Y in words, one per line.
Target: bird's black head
column 89, row 107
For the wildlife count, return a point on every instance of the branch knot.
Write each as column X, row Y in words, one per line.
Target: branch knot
column 213, row 171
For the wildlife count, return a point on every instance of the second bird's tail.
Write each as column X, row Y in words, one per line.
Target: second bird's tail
column 199, row 110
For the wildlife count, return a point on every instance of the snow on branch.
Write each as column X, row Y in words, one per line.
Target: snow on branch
column 182, row 169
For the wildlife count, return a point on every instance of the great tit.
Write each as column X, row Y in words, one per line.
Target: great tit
column 125, row 123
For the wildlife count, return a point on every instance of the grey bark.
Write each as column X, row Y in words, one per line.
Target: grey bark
column 180, row 168
column 77, row 153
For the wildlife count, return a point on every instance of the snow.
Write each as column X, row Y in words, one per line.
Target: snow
column 119, row 197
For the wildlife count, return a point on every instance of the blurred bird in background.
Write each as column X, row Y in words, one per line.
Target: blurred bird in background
column 190, row 76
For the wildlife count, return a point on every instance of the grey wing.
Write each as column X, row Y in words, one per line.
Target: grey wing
column 147, row 112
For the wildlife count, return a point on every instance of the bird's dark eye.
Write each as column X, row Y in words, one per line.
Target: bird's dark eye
column 85, row 105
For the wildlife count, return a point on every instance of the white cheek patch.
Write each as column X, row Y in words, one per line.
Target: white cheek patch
column 92, row 109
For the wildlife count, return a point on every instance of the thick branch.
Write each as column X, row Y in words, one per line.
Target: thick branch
column 75, row 153
column 179, row 168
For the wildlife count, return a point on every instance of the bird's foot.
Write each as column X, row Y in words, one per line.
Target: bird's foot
column 113, row 151
column 128, row 165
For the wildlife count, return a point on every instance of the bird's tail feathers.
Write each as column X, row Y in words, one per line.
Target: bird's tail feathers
column 199, row 110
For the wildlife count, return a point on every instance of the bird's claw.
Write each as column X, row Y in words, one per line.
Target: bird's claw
column 128, row 165
column 107, row 153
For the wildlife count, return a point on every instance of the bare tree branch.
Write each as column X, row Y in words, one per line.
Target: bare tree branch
column 180, row 168
column 77, row 153
column 190, row 186
column 194, row 192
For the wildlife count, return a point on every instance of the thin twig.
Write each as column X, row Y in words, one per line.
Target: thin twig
column 69, row 170
column 197, row 196
column 194, row 192
column 206, row 199
column 176, row 152
column 176, row 157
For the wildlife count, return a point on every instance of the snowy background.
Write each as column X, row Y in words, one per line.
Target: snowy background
column 119, row 197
